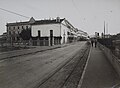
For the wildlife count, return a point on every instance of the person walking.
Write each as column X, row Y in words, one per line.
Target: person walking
column 92, row 41
column 95, row 42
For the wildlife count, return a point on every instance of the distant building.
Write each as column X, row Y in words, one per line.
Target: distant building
column 81, row 35
column 97, row 35
column 4, row 35
column 14, row 29
column 102, row 35
column 105, row 36
column 43, row 32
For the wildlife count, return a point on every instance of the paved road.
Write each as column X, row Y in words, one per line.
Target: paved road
column 27, row 71
column 69, row 75
column 99, row 72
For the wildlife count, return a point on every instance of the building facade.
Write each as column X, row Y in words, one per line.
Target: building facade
column 53, row 32
column 14, row 30
column 43, row 32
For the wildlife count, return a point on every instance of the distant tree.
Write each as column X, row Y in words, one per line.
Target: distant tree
column 2, row 41
column 26, row 34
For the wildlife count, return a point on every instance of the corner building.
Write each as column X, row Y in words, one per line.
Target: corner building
column 43, row 32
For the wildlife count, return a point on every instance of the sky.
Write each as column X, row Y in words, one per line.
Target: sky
column 86, row 15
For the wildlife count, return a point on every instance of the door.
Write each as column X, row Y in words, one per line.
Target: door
column 51, row 37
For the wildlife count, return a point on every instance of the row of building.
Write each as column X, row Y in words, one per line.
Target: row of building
column 46, row 32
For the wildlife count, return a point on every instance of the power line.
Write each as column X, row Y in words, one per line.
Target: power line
column 14, row 13
column 77, row 9
column 75, row 6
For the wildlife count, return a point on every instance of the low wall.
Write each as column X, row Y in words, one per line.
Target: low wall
column 112, row 58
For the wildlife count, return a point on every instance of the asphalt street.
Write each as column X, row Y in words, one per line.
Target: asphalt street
column 29, row 70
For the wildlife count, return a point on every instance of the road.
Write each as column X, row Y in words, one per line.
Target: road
column 27, row 71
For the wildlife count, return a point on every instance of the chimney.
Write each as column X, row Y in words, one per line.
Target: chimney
column 58, row 19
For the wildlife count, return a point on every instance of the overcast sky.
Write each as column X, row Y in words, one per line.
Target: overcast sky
column 87, row 15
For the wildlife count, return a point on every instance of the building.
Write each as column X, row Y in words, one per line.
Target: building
column 97, row 35
column 105, row 36
column 53, row 31
column 14, row 30
column 81, row 35
column 46, row 32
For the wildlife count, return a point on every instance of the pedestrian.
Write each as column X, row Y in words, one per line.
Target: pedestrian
column 95, row 42
column 92, row 41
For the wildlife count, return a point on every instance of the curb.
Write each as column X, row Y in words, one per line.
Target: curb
column 81, row 80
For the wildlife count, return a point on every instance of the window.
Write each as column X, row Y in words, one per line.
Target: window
column 22, row 27
column 9, row 28
column 68, row 33
column 26, row 27
column 13, row 32
column 16, row 32
column 18, row 27
column 9, row 32
column 51, row 33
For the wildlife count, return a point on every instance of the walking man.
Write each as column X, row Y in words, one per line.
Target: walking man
column 95, row 42
column 92, row 41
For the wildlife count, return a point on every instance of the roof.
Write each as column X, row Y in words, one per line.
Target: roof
column 18, row 23
column 47, row 21
column 32, row 21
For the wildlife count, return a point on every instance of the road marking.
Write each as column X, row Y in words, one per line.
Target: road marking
column 81, row 80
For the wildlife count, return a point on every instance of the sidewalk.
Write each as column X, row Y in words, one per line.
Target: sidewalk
column 16, row 53
column 99, row 72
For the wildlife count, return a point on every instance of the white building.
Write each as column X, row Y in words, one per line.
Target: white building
column 44, row 32
column 56, row 31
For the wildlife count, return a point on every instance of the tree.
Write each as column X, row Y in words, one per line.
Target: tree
column 2, row 40
column 26, row 34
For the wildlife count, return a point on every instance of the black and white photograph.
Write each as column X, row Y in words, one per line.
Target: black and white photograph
column 59, row 43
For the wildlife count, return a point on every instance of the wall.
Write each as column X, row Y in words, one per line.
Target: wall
column 16, row 30
column 45, row 30
column 113, row 59
column 64, row 31
column 58, row 30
